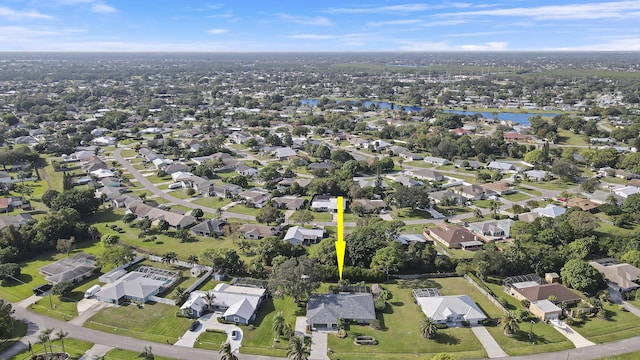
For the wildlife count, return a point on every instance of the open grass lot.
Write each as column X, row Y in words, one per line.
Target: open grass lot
column 517, row 196
column 180, row 194
column 210, row 340
column 453, row 210
column 551, row 185
column 241, row 209
column 319, row 216
column 127, row 153
column 419, row 163
column 154, row 322
column 461, row 254
column 130, row 355
column 529, row 189
column 567, row 137
column 157, row 179
column 399, row 337
column 19, row 330
column 76, row 348
column 212, row 202
column 408, row 214
column 259, row 340
column 618, row 325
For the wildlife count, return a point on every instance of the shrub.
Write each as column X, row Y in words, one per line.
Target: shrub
column 216, row 331
column 380, row 305
column 441, row 326
column 525, row 303
column 503, row 302
column 465, row 323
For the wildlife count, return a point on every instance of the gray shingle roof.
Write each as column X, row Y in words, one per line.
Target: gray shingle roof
column 327, row 309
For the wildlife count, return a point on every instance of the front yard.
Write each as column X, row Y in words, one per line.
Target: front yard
column 75, row 348
column 153, row 322
column 619, row 324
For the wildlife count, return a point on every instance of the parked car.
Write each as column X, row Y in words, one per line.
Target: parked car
column 41, row 290
column 235, row 334
column 194, row 325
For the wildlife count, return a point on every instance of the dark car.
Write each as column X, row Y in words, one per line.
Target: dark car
column 194, row 325
column 235, row 334
column 41, row 289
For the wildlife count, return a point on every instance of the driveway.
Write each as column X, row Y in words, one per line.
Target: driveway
column 488, row 342
column 86, row 309
column 210, row 321
column 319, row 345
column 96, row 352
column 578, row 340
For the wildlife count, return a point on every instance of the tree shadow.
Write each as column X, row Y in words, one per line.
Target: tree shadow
column 265, row 309
column 25, row 278
column 447, row 339
column 419, row 283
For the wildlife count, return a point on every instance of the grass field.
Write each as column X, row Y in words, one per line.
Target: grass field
column 408, row 214
column 567, row 137
column 127, row 153
column 529, row 190
column 517, row 196
column 154, row 322
column 550, row 185
column 210, row 340
column 76, row 348
column 241, row 209
column 399, row 337
column 319, row 216
column 212, row 202
column 618, row 325
column 259, row 340
column 130, row 355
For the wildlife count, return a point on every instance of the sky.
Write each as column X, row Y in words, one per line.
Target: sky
column 327, row 25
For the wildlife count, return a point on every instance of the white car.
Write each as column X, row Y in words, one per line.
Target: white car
column 235, row 334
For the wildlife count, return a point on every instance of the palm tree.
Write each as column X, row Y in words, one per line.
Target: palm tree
column 208, row 298
column 60, row 335
column 42, row 339
column 494, row 206
column 287, row 331
column 146, row 354
column 181, row 295
column 47, row 332
column 297, row 349
column 226, row 353
column 477, row 213
column 509, row 324
column 169, row 257
column 278, row 324
column 428, row 328
column 193, row 259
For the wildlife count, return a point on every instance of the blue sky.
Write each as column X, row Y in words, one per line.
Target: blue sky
column 370, row 25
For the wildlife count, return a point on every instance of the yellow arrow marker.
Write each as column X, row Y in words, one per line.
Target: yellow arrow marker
column 341, row 245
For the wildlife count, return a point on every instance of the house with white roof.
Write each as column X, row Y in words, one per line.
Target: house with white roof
column 326, row 203
column 452, row 309
column 625, row 191
column 240, row 303
column 300, row 235
column 552, row 211
column 503, row 167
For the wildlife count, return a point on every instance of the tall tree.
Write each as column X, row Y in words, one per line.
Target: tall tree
column 226, row 353
column 278, row 324
column 509, row 324
column 61, row 335
column 428, row 328
column 296, row 277
column 388, row 259
column 297, row 349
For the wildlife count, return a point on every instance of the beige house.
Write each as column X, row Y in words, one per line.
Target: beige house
column 545, row 310
column 622, row 276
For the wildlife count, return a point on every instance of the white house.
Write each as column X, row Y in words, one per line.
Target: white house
column 240, row 303
column 326, row 203
column 552, row 211
column 299, row 235
column 451, row 309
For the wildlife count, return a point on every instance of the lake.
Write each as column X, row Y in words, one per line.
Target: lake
column 520, row 118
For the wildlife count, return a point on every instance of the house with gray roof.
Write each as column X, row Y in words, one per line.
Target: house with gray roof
column 72, row 269
column 470, row 164
column 323, row 311
column 552, row 211
column 492, row 228
column 140, row 286
column 211, row 227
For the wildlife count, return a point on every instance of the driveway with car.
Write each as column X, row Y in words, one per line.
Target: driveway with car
column 210, row 321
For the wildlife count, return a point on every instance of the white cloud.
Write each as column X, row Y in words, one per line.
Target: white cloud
column 103, row 8
column 445, row 46
column 619, row 44
column 586, row 11
column 401, row 8
column 396, row 22
column 311, row 36
column 10, row 14
column 217, row 31
column 319, row 20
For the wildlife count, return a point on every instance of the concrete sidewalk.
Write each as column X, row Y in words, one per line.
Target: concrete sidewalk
column 488, row 342
column 578, row 340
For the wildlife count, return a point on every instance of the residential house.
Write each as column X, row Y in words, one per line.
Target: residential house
column 239, row 137
column 436, row 160
column 537, row 175
column 257, row 232
column 454, row 237
column 545, row 310
column 470, row 164
column 175, row 220
column 539, row 292
column 326, row 203
column 552, row 211
column 323, row 311
column 175, row 167
column 245, row 170
column 528, row 216
column 289, row 202
column 369, row 206
column 426, row 174
column 72, row 269
column 625, row 191
column 503, row 167
column 476, row 192
column 438, row 196
column 452, row 309
column 377, row 145
column 582, row 204
column 211, row 227
column 201, row 185
column 255, row 197
column 368, row 182
column 409, row 156
column 407, row 239
column 226, row 190
column 140, row 285
column 621, row 276
column 515, row 136
column 161, row 162
column 325, row 165
column 298, row 235
column 499, row 187
column 603, row 197
column 14, row 220
column 239, row 303
column 492, row 228
column 408, row 182
column 283, row 153
column 5, row 177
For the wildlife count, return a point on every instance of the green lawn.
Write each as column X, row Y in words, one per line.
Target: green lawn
column 127, row 153
column 63, row 307
column 259, row 340
column 180, row 194
column 320, row 216
column 408, row 214
column 517, row 196
column 567, row 137
column 529, row 190
column 210, row 340
column 212, row 202
column 76, row 348
column 618, row 325
column 154, row 322
column 481, row 203
column 157, row 179
column 419, row 163
column 550, row 185
column 130, row 355
column 399, row 337
column 241, row 209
